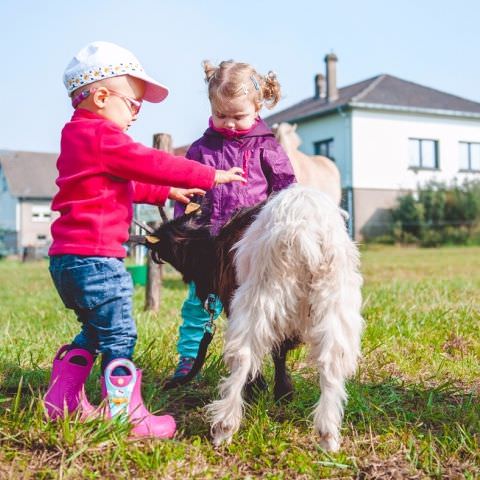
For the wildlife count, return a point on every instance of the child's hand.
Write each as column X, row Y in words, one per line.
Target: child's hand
column 183, row 195
column 227, row 176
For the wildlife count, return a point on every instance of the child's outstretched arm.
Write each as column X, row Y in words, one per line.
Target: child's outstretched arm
column 158, row 194
column 184, row 195
column 123, row 157
column 120, row 156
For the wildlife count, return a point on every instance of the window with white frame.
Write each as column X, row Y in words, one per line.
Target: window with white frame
column 469, row 157
column 325, row 148
column 423, row 153
column 41, row 213
column 42, row 239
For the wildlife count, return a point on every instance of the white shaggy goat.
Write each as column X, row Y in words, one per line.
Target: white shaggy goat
column 297, row 271
column 285, row 270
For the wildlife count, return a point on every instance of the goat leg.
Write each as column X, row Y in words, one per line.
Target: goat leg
column 254, row 387
column 283, row 389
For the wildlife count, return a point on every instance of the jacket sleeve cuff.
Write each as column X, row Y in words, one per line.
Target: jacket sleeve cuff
column 150, row 194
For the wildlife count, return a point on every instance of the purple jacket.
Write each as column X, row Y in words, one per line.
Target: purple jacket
column 265, row 163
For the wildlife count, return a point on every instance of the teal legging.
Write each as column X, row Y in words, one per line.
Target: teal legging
column 195, row 317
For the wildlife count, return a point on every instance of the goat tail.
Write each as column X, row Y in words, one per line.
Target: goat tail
column 298, row 226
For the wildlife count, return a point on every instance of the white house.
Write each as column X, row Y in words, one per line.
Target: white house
column 387, row 136
column 27, row 186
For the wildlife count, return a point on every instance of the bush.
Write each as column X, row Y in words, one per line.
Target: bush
column 385, row 239
column 438, row 214
column 456, row 235
column 408, row 216
column 431, row 238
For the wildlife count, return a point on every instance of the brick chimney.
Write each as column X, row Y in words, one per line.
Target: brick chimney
column 331, row 63
column 320, row 86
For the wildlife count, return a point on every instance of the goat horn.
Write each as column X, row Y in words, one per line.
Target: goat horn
column 144, row 226
column 163, row 215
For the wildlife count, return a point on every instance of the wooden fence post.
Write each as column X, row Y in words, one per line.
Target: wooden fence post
column 153, row 290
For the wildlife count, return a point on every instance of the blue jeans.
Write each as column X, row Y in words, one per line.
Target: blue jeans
column 99, row 290
column 195, row 317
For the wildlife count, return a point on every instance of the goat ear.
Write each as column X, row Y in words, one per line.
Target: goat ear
column 150, row 239
column 294, row 126
column 193, row 208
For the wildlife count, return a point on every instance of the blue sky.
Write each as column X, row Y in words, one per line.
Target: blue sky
column 434, row 43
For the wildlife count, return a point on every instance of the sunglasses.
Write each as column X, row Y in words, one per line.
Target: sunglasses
column 133, row 104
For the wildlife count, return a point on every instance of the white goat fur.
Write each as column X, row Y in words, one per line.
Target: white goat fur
column 298, row 274
column 314, row 171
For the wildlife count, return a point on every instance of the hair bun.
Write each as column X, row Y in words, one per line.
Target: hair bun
column 271, row 76
column 210, row 69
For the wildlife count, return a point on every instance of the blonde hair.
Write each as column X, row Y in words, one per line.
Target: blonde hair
column 233, row 79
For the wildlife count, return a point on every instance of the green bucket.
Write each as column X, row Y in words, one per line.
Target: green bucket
column 138, row 273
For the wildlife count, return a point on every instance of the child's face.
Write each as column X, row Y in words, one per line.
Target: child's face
column 120, row 98
column 238, row 113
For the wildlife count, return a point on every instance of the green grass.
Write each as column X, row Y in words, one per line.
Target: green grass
column 413, row 411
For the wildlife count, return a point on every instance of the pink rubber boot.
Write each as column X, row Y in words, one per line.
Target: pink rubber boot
column 125, row 398
column 66, row 390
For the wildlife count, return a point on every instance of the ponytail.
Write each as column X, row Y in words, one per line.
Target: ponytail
column 271, row 90
column 210, row 70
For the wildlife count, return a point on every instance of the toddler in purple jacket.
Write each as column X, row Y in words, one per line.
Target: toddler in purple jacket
column 236, row 137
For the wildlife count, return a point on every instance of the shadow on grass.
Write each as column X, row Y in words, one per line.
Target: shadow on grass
column 373, row 408
column 32, row 379
column 394, row 405
column 379, row 408
column 33, row 382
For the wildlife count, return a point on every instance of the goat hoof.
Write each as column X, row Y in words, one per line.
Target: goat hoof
column 170, row 384
column 221, row 434
column 217, row 442
column 329, row 443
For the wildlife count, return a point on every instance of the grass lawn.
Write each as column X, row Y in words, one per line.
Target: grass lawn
column 413, row 411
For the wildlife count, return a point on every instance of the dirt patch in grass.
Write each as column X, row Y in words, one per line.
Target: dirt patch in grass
column 456, row 345
column 396, row 467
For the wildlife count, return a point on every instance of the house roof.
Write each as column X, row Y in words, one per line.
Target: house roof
column 30, row 174
column 385, row 92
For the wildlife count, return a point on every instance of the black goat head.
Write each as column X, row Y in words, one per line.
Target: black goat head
column 174, row 239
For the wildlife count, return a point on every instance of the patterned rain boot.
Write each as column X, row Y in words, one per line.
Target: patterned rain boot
column 184, row 367
column 124, row 398
column 66, row 390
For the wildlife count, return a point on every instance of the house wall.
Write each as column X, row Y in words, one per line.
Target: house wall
column 380, row 160
column 34, row 226
column 372, row 216
column 380, row 148
column 336, row 126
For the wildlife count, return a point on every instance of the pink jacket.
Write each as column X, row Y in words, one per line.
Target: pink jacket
column 102, row 172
